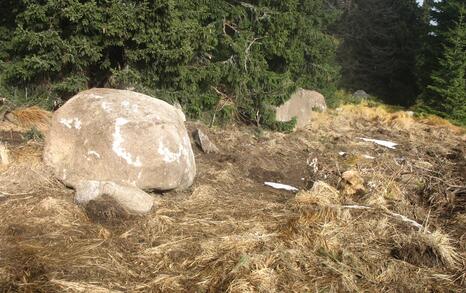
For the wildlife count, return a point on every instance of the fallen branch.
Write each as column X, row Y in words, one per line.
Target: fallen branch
column 395, row 215
column 15, row 194
column 246, row 52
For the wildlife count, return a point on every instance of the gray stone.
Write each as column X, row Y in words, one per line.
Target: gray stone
column 203, row 141
column 131, row 198
column 360, row 95
column 301, row 105
column 121, row 139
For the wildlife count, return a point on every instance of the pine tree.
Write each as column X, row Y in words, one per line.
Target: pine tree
column 429, row 47
column 447, row 90
column 215, row 57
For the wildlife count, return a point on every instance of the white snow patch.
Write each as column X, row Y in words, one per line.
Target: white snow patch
column 281, row 186
column 167, row 154
column 118, row 141
column 385, row 143
column 368, row 157
column 94, row 153
column 71, row 122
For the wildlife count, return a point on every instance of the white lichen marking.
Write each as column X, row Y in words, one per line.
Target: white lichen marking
column 106, row 106
column 130, row 107
column 117, row 144
column 125, row 104
column 94, row 153
column 71, row 123
column 167, row 155
column 94, row 96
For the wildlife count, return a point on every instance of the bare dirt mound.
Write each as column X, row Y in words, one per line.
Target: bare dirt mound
column 403, row 231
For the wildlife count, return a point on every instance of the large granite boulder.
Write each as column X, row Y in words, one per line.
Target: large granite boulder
column 121, row 139
column 301, row 105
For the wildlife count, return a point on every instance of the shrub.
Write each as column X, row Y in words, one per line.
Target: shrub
column 199, row 53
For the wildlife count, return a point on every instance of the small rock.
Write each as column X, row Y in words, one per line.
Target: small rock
column 410, row 113
column 423, row 165
column 132, row 199
column 360, row 95
column 203, row 141
column 353, row 182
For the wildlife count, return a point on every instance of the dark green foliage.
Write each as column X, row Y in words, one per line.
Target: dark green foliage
column 445, row 83
column 34, row 134
column 381, row 40
column 223, row 58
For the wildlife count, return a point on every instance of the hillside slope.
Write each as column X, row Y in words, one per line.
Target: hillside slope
column 403, row 228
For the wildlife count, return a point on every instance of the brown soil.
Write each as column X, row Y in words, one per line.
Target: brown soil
column 231, row 233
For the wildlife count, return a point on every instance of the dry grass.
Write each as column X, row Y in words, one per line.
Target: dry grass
column 405, row 232
column 30, row 117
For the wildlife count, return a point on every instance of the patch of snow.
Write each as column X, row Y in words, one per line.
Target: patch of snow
column 385, row 143
column 118, row 141
column 368, row 157
column 281, row 186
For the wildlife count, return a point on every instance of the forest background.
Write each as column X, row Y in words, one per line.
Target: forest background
column 236, row 60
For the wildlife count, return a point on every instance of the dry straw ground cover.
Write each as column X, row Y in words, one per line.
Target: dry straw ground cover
column 404, row 231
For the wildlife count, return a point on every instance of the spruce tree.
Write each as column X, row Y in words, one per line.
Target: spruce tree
column 447, row 91
column 216, row 57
